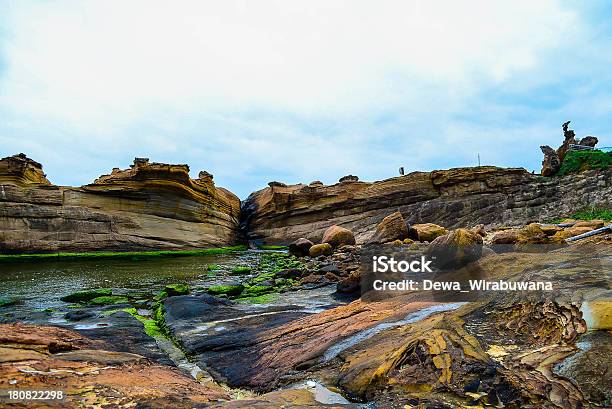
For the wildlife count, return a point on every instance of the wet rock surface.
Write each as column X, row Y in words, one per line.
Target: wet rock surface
column 90, row 375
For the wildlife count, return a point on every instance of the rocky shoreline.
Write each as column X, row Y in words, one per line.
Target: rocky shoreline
column 302, row 326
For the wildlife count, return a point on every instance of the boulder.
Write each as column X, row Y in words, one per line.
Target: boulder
column 550, row 229
column 350, row 284
column 324, row 249
column 479, row 229
column 571, row 232
column 456, row 249
column 348, row 179
column 530, row 234
column 428, row 231
column 589, row 141
column 300, row 247
column 392, row 227
column 594, row 224
column 338, row 236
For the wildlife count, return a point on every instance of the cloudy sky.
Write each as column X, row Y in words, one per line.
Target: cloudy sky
column 295, row 91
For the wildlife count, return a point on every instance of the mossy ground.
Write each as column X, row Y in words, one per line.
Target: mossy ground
column 150, row 325
column 271, row 247
column 132, row 255
column 578, row 161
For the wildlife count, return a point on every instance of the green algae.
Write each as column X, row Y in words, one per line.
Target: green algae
column 151, row 326
column 230, row 290
column 176, row 289
column 108, row 300
column 87, row 295
column 241, row 270
column 261, row 299
column 131, row 255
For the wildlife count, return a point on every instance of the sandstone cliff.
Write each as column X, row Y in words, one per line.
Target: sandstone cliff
column 461, row 197
column 149, row 206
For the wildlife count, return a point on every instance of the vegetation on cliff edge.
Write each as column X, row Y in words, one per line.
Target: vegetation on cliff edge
column 578, row 161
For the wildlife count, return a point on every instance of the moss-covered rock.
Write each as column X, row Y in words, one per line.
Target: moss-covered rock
column 257, row 290
column 87, row 295
column 324, row 249
column 176, row 289
column 108, row 300
column 231, row 290
column 260, row 299
column 241, row 270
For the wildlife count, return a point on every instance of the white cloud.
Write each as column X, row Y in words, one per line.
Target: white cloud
column 299, row 88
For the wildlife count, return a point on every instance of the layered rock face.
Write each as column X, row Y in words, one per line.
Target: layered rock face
column 461, row 197
column 149, row 206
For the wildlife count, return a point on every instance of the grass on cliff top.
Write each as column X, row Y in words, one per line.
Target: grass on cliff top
column 132, row 255
column 578, row 161
column 588, row 213
column 592, row 213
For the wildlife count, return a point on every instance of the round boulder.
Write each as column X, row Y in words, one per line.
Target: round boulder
column 300, row 247
column 338, row 236
column 392, row 227
column 428, row 231
column 456, row 249
column 324, row 249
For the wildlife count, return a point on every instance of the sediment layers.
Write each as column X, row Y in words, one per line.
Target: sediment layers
column 461, row 197
column 149, row 206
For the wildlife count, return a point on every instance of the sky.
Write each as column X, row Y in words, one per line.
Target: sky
column 296, row 91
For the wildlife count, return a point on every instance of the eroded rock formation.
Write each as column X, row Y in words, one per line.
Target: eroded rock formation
column 461, row 197
column 554, row 158
column 148, row 206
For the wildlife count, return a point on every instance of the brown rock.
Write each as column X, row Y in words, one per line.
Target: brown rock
column 551, row 162
column 530, row 234
column 594, row 224
column 300, row 247
column 456, row 249
column 323, row 249
column 20, row 170
column 338, row 236
column 569, row 138
column 348, row 179
column 589, row 141
column 550, row 229
column 148, row 206
column 452, row 198
column 392, row 227
column 93, row 377
column 479, row 229
column 350, row 284
column 571, row 232
column 428, row 231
